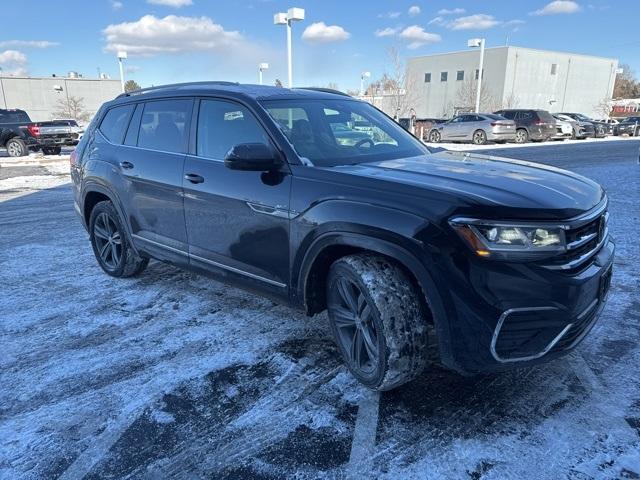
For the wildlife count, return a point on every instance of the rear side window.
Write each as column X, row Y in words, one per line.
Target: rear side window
column 14, row 117
column 221, row 125
column 525, row 116
column 164, row 125
column 115, row 123
column 545, row 116
column 509, row 115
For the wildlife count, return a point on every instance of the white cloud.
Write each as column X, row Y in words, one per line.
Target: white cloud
column 387, row 32
column 473, row 22
column 418, row 37
column 172, row 34
column 171, row 3
column 454, row 11
column 414, row 10
column 116, row 4
column 436, row 21
column 390, row 15
column 28, row 44
column 13, row 63
column 320, row 32
column 558, row 6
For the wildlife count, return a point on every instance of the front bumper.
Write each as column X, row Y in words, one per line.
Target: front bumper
column 501, row 315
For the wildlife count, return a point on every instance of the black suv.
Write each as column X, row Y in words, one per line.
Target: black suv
column 503, row 263
column 537, row 125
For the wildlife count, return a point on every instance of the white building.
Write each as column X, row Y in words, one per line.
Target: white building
column 514, row 77
column 40, row 97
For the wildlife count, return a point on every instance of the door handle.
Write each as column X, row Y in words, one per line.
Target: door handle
column 126, row 165
column 193, row 178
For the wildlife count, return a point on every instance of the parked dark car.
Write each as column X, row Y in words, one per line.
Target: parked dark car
column 18, row 134
column 503, row 263
column 537, row 125
column 629, row 126
column 602, row 129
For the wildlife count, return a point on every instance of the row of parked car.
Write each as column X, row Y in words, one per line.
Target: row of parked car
column 520, row 126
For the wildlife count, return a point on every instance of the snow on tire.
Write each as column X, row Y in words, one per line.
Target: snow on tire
column 396, row 312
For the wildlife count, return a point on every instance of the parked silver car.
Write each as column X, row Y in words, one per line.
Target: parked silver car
column 478, row 128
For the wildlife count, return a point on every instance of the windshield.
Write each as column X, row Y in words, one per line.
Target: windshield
column 331, row 132
column 582, row 117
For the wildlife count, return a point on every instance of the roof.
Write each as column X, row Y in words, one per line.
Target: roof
column 256, row 92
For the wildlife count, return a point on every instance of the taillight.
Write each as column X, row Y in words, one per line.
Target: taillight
column 73, row 158
column 34, row 130
column 499, row 124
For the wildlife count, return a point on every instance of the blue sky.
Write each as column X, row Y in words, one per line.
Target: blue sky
column 184, row 40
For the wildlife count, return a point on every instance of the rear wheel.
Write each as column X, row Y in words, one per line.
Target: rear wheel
column 522, row 136
column 110, row 245
column 377, row 321
column 479, row 137
column 17, row 148
column 434, row 136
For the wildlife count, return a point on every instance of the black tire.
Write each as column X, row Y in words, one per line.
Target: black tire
column 382, row 319
column 16, row 147
column 522, row 136
column 434, row 136
column 479, row 137
column 110, row 244
column 51, row 150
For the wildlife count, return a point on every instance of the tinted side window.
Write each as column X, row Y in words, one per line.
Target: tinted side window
column 165, row 125
column 509, row 115
column 115, row 123
column 14, row 117
column 525, row 116
column 221, row 125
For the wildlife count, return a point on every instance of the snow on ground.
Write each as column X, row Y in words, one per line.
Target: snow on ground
column 173, row 375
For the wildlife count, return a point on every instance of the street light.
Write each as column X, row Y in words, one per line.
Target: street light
column 474, row 43
column 293, row 15
column 363, row 75
column 262, row 67
column 121, row 56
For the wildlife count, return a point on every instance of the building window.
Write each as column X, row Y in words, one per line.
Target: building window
column 443, row 76
column 460, row 75
column 477, row 71
column 427, row 78
column 554, row 68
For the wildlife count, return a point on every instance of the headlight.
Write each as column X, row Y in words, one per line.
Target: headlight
column 502, row 240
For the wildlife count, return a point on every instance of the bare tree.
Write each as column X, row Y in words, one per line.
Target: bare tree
column 603, row 108
column 400, row 85
column 627, row 85
column 72, row 108
column 466, row 97
column 512, row 101
column 278, row 83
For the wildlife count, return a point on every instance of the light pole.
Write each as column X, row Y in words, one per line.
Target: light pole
column 262, row 67
column 121, row 56
column 363, row 75
column 474, row 43
column 293, row 15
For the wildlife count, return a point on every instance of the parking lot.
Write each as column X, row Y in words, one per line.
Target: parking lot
column 173, row 375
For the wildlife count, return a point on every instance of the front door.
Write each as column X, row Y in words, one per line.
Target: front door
column 237, row 221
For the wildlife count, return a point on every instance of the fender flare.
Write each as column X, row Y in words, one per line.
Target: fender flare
column 407, row 256
column 92, row 186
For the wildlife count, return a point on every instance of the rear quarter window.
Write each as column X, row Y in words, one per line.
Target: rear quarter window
column 115, row 123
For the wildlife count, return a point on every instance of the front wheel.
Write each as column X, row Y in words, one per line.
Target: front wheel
column 435, row 137
column 51, row 150
column 17, row 148
column 377, row 321
column 479, row 137
column 522, row 136
column 110, row 245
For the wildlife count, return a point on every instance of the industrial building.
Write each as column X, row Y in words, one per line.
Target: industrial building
column 40, row 97
column 513, row 77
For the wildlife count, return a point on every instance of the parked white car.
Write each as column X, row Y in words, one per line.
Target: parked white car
column 564, row 130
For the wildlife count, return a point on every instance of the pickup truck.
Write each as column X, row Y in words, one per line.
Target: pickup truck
column 18, row 134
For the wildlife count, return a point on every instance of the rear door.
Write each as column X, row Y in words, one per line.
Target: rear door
column 237, row 221
column 151, row 164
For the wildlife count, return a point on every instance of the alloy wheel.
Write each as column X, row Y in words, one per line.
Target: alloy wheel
column 14, row 150
column 521, row 136
column 356, row 330
column 479, row 137
column 434, row 137
column 108, row 241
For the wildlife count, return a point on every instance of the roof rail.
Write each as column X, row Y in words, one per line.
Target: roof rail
column 324, row 90
column 174, row 85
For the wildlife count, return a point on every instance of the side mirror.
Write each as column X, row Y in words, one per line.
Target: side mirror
column 252, row 157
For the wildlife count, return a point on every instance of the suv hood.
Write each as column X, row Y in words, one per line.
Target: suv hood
column 484, row 180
